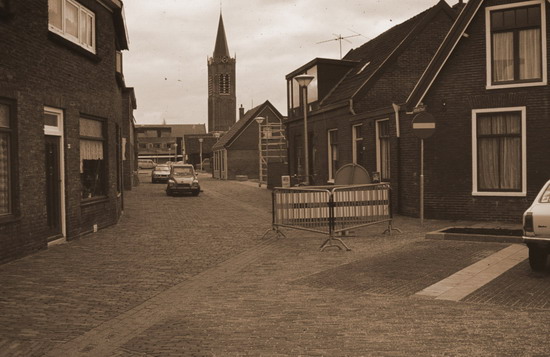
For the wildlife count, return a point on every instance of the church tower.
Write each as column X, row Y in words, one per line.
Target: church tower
column 222, row 102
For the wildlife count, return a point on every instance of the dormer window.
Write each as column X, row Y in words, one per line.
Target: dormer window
column 516, row 40
column 72, row 21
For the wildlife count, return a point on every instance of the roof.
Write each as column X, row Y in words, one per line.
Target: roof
column 221, row 49
column 236, row 129
column 445, row 50
column 373, row 56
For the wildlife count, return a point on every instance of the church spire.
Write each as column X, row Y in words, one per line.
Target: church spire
column 221, row 49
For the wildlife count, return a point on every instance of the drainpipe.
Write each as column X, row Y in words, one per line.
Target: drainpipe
column 351, row 107
column 396, row 108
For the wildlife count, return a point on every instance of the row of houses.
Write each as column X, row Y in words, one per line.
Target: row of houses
column 480, row 69
column 67, row 142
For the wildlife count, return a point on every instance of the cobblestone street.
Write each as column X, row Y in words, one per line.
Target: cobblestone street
column 192, row 276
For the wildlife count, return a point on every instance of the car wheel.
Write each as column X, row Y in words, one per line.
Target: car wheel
column 168, row 193
column 537, row 258
column 196, row 193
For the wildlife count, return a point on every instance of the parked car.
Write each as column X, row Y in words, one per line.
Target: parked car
column 145, row 164
column 183, row 179
column 536, row 229
column 160, row 173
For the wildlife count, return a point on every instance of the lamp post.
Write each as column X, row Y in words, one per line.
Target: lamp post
column 200, row 150
column 175, row 152
column 259, row 120
column 303, row 81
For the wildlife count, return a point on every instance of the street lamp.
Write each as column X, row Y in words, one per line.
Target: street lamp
column 303, row 81
column 200, row 146
column 175, row 152
column 259, row 120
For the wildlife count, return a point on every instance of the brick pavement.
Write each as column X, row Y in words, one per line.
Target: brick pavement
column 167, row 281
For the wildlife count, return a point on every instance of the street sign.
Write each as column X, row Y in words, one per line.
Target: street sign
column 423, row 125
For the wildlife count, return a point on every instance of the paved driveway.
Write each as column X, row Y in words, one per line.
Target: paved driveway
column 191, row 276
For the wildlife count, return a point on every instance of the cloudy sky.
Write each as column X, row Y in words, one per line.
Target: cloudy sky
column 170, row 41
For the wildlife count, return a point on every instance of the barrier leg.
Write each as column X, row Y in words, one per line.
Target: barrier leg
column 391, row 228
column 329, row 244
column 278, row 232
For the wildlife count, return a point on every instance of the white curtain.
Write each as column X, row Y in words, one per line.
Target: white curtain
column 71, row 19
column 90, row 150
column 503, row 56
column 55, row 13
column 499, row 151
column 530, row 54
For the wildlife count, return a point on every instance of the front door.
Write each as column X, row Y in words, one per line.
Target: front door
column 53, row 186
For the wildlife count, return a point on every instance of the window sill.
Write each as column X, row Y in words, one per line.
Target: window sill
column 516, row 85
column 60, row 40
column 10, row 218
column 94, row 200
column 499, row 194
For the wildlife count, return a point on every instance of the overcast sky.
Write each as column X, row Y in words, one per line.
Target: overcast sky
column 170, row 41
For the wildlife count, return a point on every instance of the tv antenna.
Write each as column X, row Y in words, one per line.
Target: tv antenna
column 339, row 38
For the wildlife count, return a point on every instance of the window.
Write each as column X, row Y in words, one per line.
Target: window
column 332, row 154
column 498, row 153
column 357, row 144
column 5, row 160
column 93, row 166
column 383, row 149
column 72, row 21
column 225, row 84
column 516, row 50
column 118, row 62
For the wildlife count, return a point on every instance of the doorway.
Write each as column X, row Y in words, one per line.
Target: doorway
column 53, row 186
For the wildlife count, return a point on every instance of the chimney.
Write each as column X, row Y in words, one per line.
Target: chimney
column 241, row 112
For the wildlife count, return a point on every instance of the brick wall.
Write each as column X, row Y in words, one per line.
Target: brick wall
column 38, row 70
column 460, row 88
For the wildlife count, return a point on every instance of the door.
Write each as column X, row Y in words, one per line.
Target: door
column 53, row 186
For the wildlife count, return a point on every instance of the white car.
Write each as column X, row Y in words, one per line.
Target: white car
column 536, row 229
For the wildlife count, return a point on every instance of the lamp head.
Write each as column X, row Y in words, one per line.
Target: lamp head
column 259, row 120
column 304, row 79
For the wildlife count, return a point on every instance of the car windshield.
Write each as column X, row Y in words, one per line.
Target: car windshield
column 182, row 171
column 546, row 195
column 162, row 168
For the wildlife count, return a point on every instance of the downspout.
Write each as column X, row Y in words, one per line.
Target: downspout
column 351, row 107
column 396, row 108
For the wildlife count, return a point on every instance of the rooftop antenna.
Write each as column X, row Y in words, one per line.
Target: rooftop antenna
column 339, row 38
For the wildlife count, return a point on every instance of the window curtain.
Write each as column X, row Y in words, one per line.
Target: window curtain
column 4, row 175
column 90, row 150
column 530, row 65
column 499, row 151
column 503, row 56
column 54, row 13
column 71, row 19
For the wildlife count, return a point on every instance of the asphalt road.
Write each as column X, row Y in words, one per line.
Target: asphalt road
column 192, row 276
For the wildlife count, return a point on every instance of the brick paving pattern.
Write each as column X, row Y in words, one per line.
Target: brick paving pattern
column 190, row 276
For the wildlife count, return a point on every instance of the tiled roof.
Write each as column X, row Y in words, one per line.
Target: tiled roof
column 374, row 54
column 242, row 123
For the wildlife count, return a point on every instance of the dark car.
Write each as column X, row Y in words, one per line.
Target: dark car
column 160, row 173
column 183, row 179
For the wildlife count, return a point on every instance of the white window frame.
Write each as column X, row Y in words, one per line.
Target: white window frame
column 354, row 140
column 82, row 11
column 378, row 153
column 489, row 45
column 329, row 151
column 523, row 192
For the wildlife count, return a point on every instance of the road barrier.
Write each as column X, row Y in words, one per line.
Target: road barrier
column 331, row 210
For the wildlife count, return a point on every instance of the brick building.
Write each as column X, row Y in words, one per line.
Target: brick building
column 351, row 103
column 62, row 120
column 237, row 151
column 487, row 88
column 166, row 142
